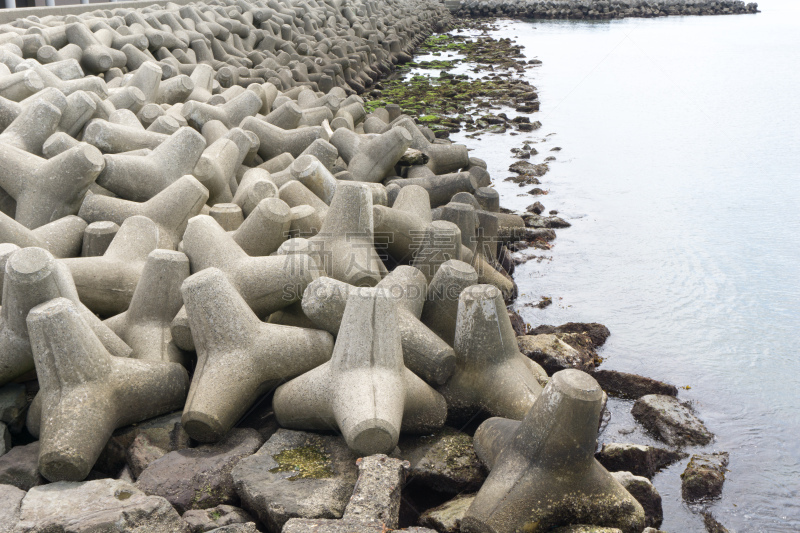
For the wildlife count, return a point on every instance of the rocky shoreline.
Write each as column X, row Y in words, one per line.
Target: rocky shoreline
column 239, row 297
column 598, row 10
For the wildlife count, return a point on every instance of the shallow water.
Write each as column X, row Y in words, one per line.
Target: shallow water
column 680, row 174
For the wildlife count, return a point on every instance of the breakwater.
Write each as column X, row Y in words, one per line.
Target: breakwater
column 597, row 9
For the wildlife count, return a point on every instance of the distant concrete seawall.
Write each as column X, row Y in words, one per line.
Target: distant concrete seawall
column 596, row 9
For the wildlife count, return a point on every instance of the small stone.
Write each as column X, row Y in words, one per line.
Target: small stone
column 704, row 476
column 445, row 461
column 296, row 475
column 249, row 527
column 711, row 524
column 670, row 420
column 107, row 505
column 13, row 403
column 645, row 493
column 20, row 467
column 447, row 517
column 517, row 322
column 141, row 453
column 202, row 520
column 5, row 439
column 554, row 353
column 535, row 207
column 638, row 459
column 10, row 501
column 631, row 386
column 198, row 478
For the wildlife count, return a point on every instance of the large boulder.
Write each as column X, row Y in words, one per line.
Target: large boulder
column 107, row 505
column 645, row 493
column 444, row 461
column 631, row 386
column 598, row 333
column 638, row 459
column 10, row 501
column 20, row 467
column 557, row 351
column 296, row 475
column 198, row 478
column 704, row 476
column 670, row 420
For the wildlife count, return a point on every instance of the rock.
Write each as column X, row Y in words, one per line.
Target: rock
column 535, row 207
column 528, row 169
column 533, row 220
column 447, row 517
column 249, row 527
column 13, row 402
column 377, row 493
column 445, row 461
column 106, row 505
column 631, row 386
column 554, row 353
column 587, row 529
column 5, row 439
column 164, row 432
column 198, row 478
column 296, row 475
column 670, row 420
column 202, row 520
column 645, row 493
column 518, row 323
column 141, row 453
column 638, row 459
column 652, row 530
column 711, row 524
column 297, row 525
column 598, row 333
column 20, row 467
column 10, row 501
column 704, row 476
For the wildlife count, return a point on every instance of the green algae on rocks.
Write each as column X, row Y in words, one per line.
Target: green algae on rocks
column 309, row 462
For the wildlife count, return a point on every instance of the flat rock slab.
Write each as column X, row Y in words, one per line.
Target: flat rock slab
column 198, row 478
column 645, row 493
column 638, row 459
column 10, row 501
column 586, row 529
column 554, row 353
column 20, row 467
column 202, row 520
column 249, row 527
column 447, row 517
column 704, row 476
column 670, row 420
column 598, row 333
column 631, row 386
column 445, row 462
column 308, row 525
column 106, row 505
column 296, row 475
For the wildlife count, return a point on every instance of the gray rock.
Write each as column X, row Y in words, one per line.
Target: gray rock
column 299, row 525
column 10, row 501
column 447, row 517
column 203, row 520
column 20, row 467
column 598, row 333
column 704, row 476
column 631, row 386
column 639, row 459
column 296, row 475
column 106, row 505
column 645, row 493
column 5, row 439
column 377, row 493
column 543, row 471
column 586, row 529
column 249, row 527
column 712, row 525
column 198, row 478
column 554, row 353
column 670, row 420
column 141, row 453
column 444, row 461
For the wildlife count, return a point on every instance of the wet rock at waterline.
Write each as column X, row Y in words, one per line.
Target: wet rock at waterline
column 704, row 476
column 670, row 420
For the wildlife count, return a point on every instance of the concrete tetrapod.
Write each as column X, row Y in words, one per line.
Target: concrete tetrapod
column 62, row 237
column 106, row 283
column 400, row 229
column 424, row 353
column 543, row 471
column 266, row 283
column 87, row 393
column 170, row 209
column 48, row 189
column 440, row 311
column 344, row 245
column 365, row 390
column 491, row 374
column 145, row 326
column 239, row 358
column 371, row 159
column 33, row 276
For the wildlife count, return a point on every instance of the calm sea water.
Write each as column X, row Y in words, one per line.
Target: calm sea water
column 680, row 174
